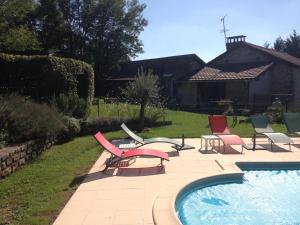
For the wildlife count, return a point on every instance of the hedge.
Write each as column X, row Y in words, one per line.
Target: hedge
column 41, row 77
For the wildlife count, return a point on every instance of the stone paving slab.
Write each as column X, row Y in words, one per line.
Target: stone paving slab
column 126, row 195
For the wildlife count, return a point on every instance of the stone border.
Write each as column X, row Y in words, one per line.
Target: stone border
column 164, row 212
column 13, row 157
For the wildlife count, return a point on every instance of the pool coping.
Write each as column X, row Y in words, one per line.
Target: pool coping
column 163, row 210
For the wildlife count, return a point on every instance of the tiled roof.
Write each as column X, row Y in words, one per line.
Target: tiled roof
column 234, row 71
column 179, row 67
column 281, row 55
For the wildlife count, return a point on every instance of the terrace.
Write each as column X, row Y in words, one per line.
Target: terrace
column 143, row 194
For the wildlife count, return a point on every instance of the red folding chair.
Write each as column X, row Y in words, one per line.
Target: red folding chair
column 118, row 155
column 219, row 127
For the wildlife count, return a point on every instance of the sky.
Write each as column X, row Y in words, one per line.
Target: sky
column 178, row 27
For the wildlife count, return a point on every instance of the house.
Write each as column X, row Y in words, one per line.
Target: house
column 250, row 75
column 171, row 70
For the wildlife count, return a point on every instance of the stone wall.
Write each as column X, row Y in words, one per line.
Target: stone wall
column 243, row 55
column 15, row 156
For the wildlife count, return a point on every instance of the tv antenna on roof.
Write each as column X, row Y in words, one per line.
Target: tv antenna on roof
column 224, row 30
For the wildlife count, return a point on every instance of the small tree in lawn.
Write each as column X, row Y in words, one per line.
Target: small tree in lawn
column 143, row 90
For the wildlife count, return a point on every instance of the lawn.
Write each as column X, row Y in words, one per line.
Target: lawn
column 187, row 123
column 37, row 192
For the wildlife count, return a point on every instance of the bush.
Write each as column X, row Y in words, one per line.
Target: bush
column 90, row 127
column 41, row 77
column 71, row 105
column 72, row 128
column 25, row 120
column 102, row 124
column 275, row 112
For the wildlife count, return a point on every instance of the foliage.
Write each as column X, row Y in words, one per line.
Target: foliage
column 143, row 90
column 92, row 126
column 26, row 120
column 72, row 128
column 71, row 105
column 291, row 45
column 279, row 44
column 17, row 32
column 18, row 39
column 3, row 137
column 103, row 32
column 275, row 112
column 44, row 76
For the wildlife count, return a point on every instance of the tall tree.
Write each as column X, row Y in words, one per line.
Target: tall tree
column 291, row 45
column 279, row 44
column 17, row 26
column 52, row 26
column 101, row 32
column 114, row 28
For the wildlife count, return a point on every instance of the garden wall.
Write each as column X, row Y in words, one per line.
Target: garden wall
column 13, row 157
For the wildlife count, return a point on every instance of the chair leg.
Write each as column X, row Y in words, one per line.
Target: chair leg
column 161, row 164
column 111, row 162
column 271, row 145
column 254, row 141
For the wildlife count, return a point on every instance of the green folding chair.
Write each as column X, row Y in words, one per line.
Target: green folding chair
column 263, row 127
column 141, row 141
column 292, row 122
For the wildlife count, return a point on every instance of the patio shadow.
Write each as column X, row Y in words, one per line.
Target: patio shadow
column 118, row 171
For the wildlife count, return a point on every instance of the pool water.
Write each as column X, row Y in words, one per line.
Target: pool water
column 264, row 197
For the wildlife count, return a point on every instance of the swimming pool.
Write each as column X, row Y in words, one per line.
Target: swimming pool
column 264, row 196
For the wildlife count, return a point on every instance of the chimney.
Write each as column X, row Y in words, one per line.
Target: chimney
column 234, row 41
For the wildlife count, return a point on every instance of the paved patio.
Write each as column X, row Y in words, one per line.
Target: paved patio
column 142, row 194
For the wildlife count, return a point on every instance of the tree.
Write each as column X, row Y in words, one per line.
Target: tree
column 100, row 32
column 113, row 28
column 279, row 44
column 17, row 26
column 143, row 91
column 267, row 44
column 291, row 45
column 51, row 26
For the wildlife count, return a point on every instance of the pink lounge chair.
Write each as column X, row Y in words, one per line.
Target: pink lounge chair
column 219, row 127
column 118, row 155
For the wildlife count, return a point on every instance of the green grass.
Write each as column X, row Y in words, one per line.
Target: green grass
column 187, row 123
column 37, row 192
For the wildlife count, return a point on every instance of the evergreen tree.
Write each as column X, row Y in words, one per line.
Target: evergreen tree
column 17, row 26
column 291, row 45
column 279, row 44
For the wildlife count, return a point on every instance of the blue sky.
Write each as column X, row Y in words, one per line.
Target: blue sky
column 179, row 27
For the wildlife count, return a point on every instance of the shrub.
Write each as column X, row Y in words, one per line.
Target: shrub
column 143, row 90
column 275, row 112
column 25, row 120
column 91, row 127
column 44, row 76
column 71, row 105
column 72, row 128
column 101, row 124
column 3, row 137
